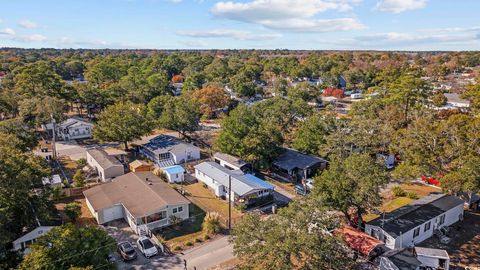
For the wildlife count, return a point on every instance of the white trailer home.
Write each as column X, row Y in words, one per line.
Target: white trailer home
column 416, row 222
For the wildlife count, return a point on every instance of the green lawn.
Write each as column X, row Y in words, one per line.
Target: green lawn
column 389, row 207
column 188, row 230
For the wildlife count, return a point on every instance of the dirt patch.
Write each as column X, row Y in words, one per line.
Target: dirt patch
column 464, row 248
column 85, row 219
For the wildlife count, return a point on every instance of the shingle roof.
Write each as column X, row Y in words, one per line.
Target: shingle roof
column 415, row 214
column 291, row 159
column 241, row 183
column 139, row 196
column 103, row 159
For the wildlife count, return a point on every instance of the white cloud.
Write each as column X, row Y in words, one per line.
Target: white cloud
column 27, row 24
column 307, row 25
column 291, row 15
column 7, row 31
column 228, row 33
column 398, row 6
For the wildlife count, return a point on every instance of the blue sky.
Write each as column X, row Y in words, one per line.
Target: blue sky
column 240, row 24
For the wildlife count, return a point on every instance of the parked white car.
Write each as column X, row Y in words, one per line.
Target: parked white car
column 146, row 246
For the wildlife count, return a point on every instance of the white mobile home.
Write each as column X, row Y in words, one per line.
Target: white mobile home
column 416, row 222
column 167, row 151
column 246, row 188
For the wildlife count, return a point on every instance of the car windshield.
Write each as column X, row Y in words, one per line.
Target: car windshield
column 126, row 247
column 147, row 244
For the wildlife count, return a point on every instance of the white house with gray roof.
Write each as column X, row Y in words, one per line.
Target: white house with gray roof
column 416, row 222
column 106, row 166
column 71, row 129
column 167, row 151
column 246, row 188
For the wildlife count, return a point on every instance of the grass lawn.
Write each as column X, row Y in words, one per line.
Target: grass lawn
column 188, row 230
column 390, row 205
column 205, row 199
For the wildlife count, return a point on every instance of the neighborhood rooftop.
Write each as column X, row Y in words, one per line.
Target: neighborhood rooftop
column 103, row 158
column 415, row 214
column 230, row 159
column 142, row 193
column 432, row 252
column 241, row 183
column 166, row 143
column 291, row 159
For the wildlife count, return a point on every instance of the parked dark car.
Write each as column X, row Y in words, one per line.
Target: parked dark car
column 127, row 251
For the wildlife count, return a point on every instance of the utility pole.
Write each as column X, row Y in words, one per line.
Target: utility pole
column 54, row 147
column 229, row 202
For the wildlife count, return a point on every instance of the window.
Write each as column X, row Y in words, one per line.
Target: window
column 178, row 209
column 442, row 219
column 157, row 216
column 427, row 227
column 416, row 232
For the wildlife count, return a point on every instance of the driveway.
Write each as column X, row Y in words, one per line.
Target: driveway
column 76, row 151
column 202, row 257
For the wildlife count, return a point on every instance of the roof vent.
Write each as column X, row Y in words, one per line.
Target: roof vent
column 150, row 183
column 146, row 179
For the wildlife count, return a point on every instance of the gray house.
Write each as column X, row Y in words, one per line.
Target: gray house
column 294, row 165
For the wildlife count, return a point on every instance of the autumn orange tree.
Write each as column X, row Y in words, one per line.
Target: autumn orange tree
column 211, row 98
column 177, row 79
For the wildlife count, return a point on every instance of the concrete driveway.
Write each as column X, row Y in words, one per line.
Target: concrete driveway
column 201, row 257
column 76, row 151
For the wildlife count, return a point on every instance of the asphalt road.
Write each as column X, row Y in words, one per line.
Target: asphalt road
column 202, row 257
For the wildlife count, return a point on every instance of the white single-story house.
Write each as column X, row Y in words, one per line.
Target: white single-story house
column 231, row 162
column 174, row 174
column 432, row 257
column 167, row 151
column 22, row 243
column 416, row 222
column 54, row 181
column 142, row 199
column 246, row 188
column 71, row 129
column 107, row 166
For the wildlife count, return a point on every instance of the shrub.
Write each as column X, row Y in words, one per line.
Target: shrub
column 211, row 223
column 177, row 248
column 198, row 240
column 188, row 243
column 398, row 192
column 206, row 237
column 78, row 179
column 57, row 193
column 73, row 210
column 412, row 195
column 241, row 207
column 81, row 163
column 204, row 185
